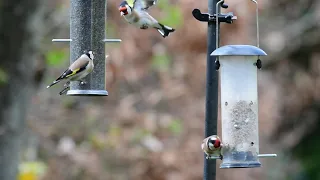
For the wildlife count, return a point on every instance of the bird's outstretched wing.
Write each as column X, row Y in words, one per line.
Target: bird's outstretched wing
column 143, row 4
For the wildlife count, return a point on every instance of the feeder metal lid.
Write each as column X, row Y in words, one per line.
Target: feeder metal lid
column 238, row 50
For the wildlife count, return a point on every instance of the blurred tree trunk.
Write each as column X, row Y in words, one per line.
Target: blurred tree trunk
column 17, row 51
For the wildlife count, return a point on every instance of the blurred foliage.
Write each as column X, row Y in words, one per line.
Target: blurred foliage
column 31, row 170
column 175, row 126
column 139, row 134
column 116, row 131
column 172, row 14
column 161, row 62
column 96, row 142
column 110, row 29
column 295, row 65
column 308, row 153
column 69, row 103
column 3, row 77
column 56, row 57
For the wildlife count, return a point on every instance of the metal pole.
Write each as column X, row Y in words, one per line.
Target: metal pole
column 211, row 114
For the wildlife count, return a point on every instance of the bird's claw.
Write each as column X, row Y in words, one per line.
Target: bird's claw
column 66, row 84
column 64, row 90
column 144, row 26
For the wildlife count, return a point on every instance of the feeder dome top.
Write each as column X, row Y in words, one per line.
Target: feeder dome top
column 238, row 50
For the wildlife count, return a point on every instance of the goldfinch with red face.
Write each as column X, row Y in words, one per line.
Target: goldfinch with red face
column 138, row 16
column 212, row 146
column 78, row 70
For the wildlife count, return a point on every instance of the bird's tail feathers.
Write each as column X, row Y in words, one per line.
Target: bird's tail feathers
column 165, row 30
column 53, row 83
column 61, row 77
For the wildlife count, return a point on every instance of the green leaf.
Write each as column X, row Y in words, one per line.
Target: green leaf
column 56, row 57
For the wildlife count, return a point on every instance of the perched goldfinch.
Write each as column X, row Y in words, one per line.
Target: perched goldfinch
column 78, row 70
column 138, row 16
column 212, row 146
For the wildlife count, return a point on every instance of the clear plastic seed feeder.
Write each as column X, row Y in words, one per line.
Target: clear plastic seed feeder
column 239, row 105
column 238, row 66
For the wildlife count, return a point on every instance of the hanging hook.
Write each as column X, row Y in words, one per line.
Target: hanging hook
column 257, row 22
column 258, row 63
column 217, row 63
column 217, row 22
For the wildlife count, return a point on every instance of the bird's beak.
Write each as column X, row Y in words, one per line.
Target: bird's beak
column 122, row 9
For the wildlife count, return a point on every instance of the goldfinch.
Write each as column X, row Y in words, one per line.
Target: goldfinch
column 138, row 16
column 212, row 146
column 77, row 70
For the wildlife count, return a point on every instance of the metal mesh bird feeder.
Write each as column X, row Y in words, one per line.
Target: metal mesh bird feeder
column 87, row 32
column 238, row 66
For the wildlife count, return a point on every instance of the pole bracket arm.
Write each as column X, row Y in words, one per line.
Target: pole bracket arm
column 206, row 17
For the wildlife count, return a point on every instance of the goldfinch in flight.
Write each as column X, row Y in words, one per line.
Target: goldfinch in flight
column 138, row 16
